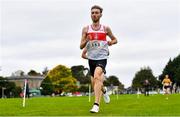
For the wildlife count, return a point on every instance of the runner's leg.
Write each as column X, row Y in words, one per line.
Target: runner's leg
column 98, row 84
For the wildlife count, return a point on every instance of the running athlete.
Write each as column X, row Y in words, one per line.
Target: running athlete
column 166, row 85
column 95, row 42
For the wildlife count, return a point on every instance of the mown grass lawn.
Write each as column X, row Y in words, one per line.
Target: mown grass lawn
column 125, row 105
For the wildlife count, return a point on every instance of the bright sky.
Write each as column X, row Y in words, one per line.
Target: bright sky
column 44, row 33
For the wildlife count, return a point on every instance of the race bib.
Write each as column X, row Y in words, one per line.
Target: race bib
column 97, row 44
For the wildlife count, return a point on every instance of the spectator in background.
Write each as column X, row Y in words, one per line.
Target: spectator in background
column 146, row 85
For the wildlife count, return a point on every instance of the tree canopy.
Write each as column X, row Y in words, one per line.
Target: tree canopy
column 33, row 73
column 173, row 70
column 78, row 73
column 61, row 78
column 143, row 74
column 113, row 81
column 10, row 89
column 47, row 86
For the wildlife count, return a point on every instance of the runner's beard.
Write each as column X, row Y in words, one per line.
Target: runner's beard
column 95, row 20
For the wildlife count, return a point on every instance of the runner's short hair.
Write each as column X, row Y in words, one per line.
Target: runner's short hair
column 97, row 7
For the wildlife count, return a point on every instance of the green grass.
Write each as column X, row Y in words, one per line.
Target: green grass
column 125, row 105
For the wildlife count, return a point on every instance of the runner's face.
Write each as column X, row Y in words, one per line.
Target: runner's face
column 95, row 15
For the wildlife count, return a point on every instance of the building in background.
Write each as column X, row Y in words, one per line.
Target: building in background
column 34, row 82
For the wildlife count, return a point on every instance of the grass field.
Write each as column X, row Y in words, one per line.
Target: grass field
column 125, row 105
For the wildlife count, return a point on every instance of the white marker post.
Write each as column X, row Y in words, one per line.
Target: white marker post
column 138, row 93
column 89, row 92
column 117, row 94
column 85, row 72
column 24, row 98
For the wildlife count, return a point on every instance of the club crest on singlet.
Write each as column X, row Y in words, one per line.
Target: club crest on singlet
column 97, row 46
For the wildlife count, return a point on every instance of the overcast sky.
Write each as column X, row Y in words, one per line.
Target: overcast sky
column 44, row 33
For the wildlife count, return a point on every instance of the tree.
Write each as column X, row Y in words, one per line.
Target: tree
column 177, row 76
column 2, row 84
column 59, row 72
column 16, row 91
column 143, row 74
column 47, row 86
column 10, row 86
column 77, row 72
column 113, row 80
column 10, row 89
column 61, row 78
column 172, row 69
column 68, row 84
column 84, row 88
column 33, row 73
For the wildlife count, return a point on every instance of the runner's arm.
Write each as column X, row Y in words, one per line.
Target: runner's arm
column 163, row 82
column 84, row 39
column 112, row 37
column 84, row 56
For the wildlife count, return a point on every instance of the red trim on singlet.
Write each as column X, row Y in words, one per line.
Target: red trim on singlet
column 100, row 36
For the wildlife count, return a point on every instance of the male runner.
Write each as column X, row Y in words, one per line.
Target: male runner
column 94, row 39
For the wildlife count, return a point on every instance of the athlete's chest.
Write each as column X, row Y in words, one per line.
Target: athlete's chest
column 99, row 34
